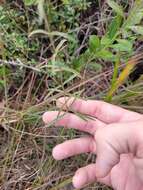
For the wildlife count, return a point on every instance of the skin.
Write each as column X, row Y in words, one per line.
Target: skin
column 115, row 136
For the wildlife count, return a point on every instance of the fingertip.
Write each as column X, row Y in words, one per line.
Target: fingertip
column 50, row 116
column 55, row 153
column 75, row 182
column 58, row 153
column 80, row 179
column 44, row 117
column 61, row 101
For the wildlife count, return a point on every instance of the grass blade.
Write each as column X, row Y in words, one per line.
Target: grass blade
column 117, row 8
column 54, row 33
column 135, row 15
column 122, row 77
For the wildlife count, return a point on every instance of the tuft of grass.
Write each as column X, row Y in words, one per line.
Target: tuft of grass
column 123, row 75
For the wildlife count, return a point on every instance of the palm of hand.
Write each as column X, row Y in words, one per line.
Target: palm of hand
column 123, row 176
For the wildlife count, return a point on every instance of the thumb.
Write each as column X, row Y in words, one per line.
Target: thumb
column 111, row 142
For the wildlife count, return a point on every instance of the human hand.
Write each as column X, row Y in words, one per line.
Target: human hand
column 115, row 136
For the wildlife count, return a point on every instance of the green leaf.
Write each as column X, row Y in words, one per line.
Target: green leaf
column 113, row 31
column 135, row 15
column 54, row 33
column 94, row 43
column 105, row 41
column 123, row 45
column 117, row 8
column 30, row 2
column 2, row 83
column 137, row 29
column 114, row 27
column 79, row 62
column 104, row 54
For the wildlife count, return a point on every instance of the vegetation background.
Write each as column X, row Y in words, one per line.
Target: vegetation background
column 52, row 48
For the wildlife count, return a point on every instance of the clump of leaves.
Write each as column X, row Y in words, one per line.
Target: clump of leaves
column 130, row 27
column 14, row 35
column 59, row 18
column 62, row 15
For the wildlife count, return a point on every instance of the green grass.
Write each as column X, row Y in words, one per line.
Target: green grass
column 50, row 49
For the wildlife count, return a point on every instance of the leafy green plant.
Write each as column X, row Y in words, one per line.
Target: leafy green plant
column 126, row 43
column 14, row 37
column 65, row 16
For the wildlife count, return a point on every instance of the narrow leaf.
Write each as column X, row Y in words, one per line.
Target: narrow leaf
column 54, row 33
column 114, row 27
column 122, row 78
column 104, row 54
column 117, row 8
column 41, row 11
column 123, row 45
column 94, row 42
column 135, row 15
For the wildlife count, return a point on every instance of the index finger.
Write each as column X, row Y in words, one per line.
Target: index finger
column 101, row 110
